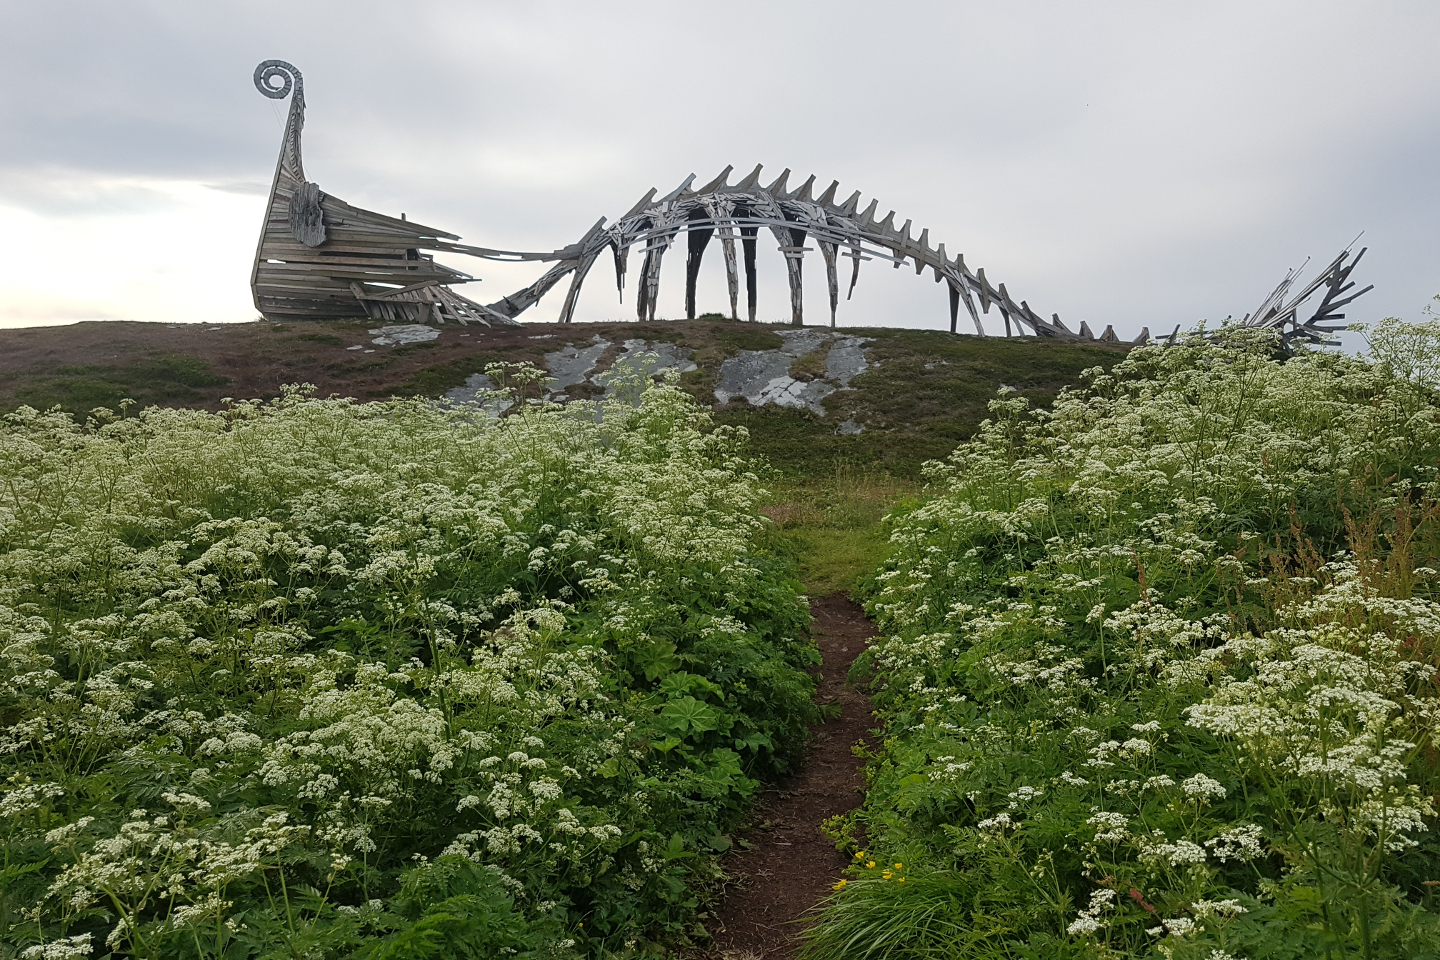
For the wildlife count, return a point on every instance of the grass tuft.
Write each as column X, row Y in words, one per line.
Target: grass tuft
column 835, row 525
column 169, row 379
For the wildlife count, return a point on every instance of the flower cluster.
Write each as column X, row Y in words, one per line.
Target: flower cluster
column 280, row 679
column 1175, row 635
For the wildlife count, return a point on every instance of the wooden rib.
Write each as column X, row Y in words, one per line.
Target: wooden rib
column 827, row 250
column 747, row 243
column 572, row 296
column 696, row 241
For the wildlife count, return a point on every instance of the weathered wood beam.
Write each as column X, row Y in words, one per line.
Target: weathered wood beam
column 832, row 286
column 696, row 242
column 747, row 241
column 572, row 296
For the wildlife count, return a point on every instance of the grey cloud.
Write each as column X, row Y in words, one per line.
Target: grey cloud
column 1123, row 162
column 249, row 188
column 70, row 193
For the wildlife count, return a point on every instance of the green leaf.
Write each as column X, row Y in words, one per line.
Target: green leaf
column 15, row 871
column 689, row 715
column 680, row 683
column 675, row 849
column 755, row 741
column 657, row 659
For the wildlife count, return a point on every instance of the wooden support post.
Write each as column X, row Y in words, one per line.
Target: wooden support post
column 794, row 260
column 856, row 254
column 572, row 296
column 797, row 290
column 732, row 275
column 720, row 211
column 832, row 284
column 622, row 257
column 747, row 242
column 696, row 241
column 642, row 295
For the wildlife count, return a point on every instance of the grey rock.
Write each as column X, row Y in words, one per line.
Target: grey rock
column 754, row 375
column 850, row 427
column 641, row 357
column 403, row 333
column 572, row 365
column 473, row 383
column 803, row 341
column 846, row 360
column 476, row 382
column 763, row 376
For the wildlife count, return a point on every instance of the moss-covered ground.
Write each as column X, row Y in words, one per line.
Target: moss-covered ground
column 157, row 380
column 925, row 392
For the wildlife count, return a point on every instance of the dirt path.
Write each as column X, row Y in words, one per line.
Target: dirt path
column 791, row 864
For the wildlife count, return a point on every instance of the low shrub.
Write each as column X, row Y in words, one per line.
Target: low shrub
column 1159, row 674
column 388, row 680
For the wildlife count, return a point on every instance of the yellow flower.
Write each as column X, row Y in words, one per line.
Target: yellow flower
column 860, row 855
column 886, row 875
column 899, row 866
column 840, row 885
column 900, row 879
column 870, row 865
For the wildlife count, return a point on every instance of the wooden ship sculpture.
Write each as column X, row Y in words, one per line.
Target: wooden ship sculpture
column 321, row 258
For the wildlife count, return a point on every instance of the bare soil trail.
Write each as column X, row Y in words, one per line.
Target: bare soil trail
column 791, row 865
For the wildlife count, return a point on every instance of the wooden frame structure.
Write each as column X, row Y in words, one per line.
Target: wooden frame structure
column 321, row 258
column 1280, row 311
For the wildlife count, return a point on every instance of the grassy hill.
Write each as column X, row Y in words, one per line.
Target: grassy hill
column 923, row 392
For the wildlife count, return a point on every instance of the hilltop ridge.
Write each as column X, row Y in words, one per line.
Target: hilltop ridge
column 811, row 397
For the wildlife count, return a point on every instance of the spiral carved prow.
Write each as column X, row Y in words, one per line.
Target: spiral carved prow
column 277, row 80
column 289, row 79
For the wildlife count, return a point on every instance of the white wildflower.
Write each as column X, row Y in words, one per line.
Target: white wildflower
column 1238, row 843
column 1217, row 908
column 1202, row 787
column 998, row 823
column 1110, row 827
column 63, row 949
column 1088, row 922
column 1175, row 927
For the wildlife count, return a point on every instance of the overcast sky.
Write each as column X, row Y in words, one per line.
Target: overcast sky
column 1134, row 163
